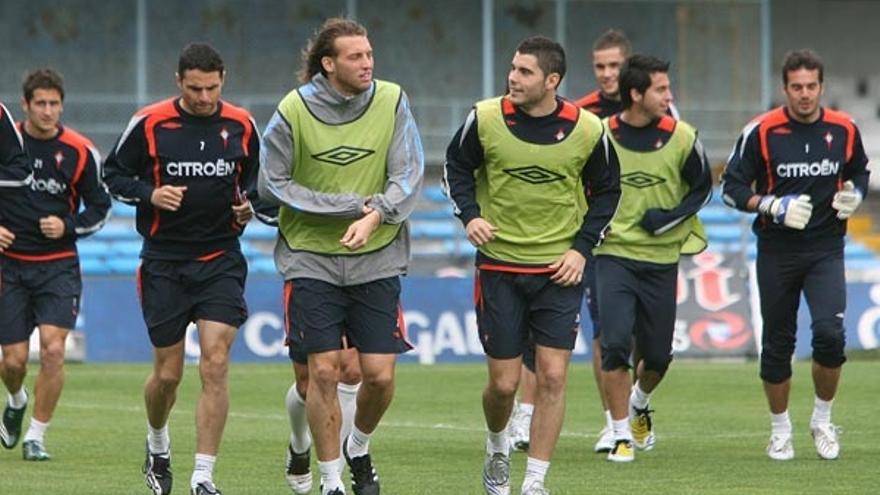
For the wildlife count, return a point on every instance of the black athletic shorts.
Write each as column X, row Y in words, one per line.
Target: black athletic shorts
column 320, row 317
column 37, row 293
column 175, row 293
column 516, row 309
column 637, row 299
column 591, row 294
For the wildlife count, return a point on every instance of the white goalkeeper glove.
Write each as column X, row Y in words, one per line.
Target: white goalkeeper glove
column 846, row 200
column 792, row 211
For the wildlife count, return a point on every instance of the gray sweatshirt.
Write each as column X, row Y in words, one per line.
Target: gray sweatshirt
column 405, row 172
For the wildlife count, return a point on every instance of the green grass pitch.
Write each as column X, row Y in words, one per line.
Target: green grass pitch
column 711, row 422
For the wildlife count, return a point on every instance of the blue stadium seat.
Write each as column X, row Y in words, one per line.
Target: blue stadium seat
column 265, row 265
column 854, row 250
column 116, row 231
column 93, row 267
column 126, row 249
column 92, row 248
column 434, row 194
column 862, row 264
column 122, row 210
column 714, row 214
column 434, row 214
column 460, row 247
column 434, row 229
column 123, row 266
column 260, row 231
column 724, row 233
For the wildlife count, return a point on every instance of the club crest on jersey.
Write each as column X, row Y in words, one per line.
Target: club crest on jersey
column 59, row 159
column 828, row 139
column 224, row 135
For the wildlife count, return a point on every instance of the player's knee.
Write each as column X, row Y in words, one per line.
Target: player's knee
column 380, row 380
column 552, row 380
column 658, row 363
column 775, row 368
column 615, row 357
column 52, row 354
column 503, row 387
column 14, row 366
column 324, row 375
column 828, row 343
column 350, row 375
column 168, row 380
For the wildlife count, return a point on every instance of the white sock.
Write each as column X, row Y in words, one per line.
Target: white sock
column 203, row 470
column 821, row 412
column 780, row 424
column 609, row 422
column 158, row 439
column 36, row 430
column 638, row 399
column 300, row 437
column 347, row 395
column 621, row 429
column 330, row 474
column 526, row 409
column 358, row 442
column 18, row 399
column 498, row 442
column 536, row 470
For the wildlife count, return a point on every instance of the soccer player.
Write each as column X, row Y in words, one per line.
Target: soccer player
column 41, row 277
column 343, row 158
column 803, row 169
column 189, row 164
column 517, row 171
column 665, row 180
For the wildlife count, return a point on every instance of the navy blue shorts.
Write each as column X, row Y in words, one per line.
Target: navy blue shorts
column 782, row 277
column 320, row 317
column 636, row 298
column 516, row 310
column 37, row 293
column 175, row 293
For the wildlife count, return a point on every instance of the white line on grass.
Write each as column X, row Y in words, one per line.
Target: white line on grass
column 427, row 426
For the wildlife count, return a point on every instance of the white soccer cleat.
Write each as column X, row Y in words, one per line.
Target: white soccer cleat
column 535, row 488
column 496, row 474
column 780, row 448
column 825, row 437
column 518, row 430
column 606, row 440
column 623, row 451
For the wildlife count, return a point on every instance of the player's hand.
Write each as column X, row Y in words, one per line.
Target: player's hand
column 847, row 200
column 569, row 269
column 790, row 210
column 479, row 231
column 6, row 238
column 52, row 227
column 358, row 233
column 243, row 212
column 168, row 197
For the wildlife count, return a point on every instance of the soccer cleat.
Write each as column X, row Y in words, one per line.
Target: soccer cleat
column 605, row 442
column 33, row 450
column 337, row 491
column 496, row 474
column 518, row 430
column 642, row 428
column 780, row 448
column 364, row 480
column 535, row 488
column 205, row 488
column 623, row 451
column 10, row 426
column 299, row 474
column 157, row 472
column 825, row 437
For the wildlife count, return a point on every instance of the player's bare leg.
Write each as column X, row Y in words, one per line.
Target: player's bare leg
column 47, row 390
column 504, row 376
column 551, row 366
column 325, row 416
column 215, row 340
column 825, row 433
column 605, row 442
column 13, row 369
column 160, row 393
